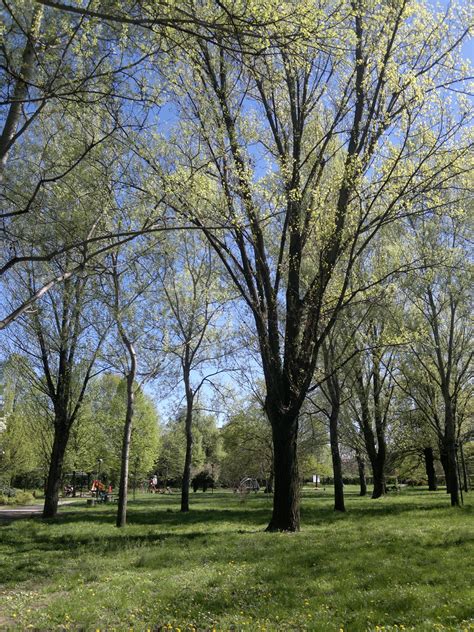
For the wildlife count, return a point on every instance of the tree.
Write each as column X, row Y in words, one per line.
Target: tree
column 101, row 428
column 331, row 379
column 194, row 301
column 338, row 132
column 21, row 449
column 62, row 337
column 207, row 448
column 374, row 388
column 436, row 374
column 65, row 93
column 248, row 448
column 332, row 391
column 130, row 376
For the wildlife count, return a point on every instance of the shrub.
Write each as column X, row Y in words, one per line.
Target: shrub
column 24, row 498
column 11, row 496
column 204, row 480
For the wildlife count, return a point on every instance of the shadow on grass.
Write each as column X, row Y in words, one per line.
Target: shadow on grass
column 156, row 526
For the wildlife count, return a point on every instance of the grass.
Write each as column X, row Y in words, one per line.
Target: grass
column 398, row 563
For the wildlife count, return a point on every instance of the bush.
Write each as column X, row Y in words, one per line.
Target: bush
column 24, row 498
column 7, row 492
column 204, row 480
column 11, row 496
column 415, row 482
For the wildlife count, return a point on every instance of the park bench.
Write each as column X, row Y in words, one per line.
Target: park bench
column 105, row 497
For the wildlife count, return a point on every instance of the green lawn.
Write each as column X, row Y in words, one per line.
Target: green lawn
column 399, row 563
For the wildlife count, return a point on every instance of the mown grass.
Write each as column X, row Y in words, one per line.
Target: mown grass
column 402, row 562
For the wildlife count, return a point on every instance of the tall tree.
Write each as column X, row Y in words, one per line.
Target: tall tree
column 332, row 390
column 374, row 388
column 62, row 338
column 437, row 372
column 194, row 302
column 129, row 308
column 304, row 154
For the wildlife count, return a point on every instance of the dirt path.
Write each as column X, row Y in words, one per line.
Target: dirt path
column 14, row 512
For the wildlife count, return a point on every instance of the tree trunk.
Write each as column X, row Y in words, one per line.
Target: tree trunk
column 286, row 498
column 450, row 450
column 127, row 431
column 188, row 459
column 444, row 462
column 127, row 436
column 464, row 469
column 362, row 478
column 378, row 471
column 51, row 499
column 452, row 472
column 430, row 470
column 336, row 460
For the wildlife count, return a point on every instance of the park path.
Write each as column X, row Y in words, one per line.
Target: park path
column 9, row 512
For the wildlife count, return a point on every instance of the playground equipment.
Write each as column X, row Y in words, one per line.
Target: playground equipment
column 247, row 485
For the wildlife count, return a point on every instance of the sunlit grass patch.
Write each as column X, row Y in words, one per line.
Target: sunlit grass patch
column 403, row 562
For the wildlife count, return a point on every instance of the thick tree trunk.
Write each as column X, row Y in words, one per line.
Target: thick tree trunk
column 362, row 478
column 336, row 460
column 286, row 498
column 127, row 436
column 452, row 473
column 187, row 461
column 53, row 483
column 430, row 470
column 450, row 451
column 378, row 471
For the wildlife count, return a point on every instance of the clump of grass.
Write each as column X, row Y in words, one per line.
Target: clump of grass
column 398, row 563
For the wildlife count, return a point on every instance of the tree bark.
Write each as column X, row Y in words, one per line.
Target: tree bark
column 378, row 471
column 362, row 478
column 51, row 498
column 286, row 507
column 450, row 450
column 333, row 395
column 430, row 470
column 121, row 520
column 336, row 460
column 378, row 463
column 188, row 459
column 444, row 462
column 452, row 472
column 127, row 436
column 464, row 469
column 374, row 442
